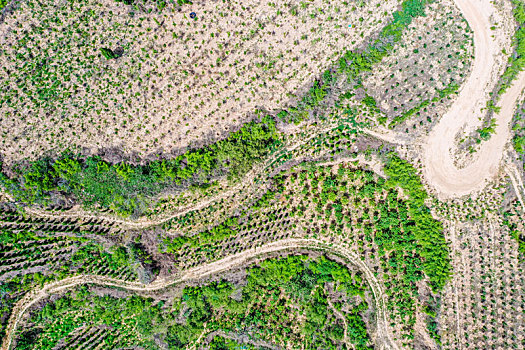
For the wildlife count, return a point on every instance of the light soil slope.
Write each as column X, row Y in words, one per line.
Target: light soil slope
column 178, row 83
column 439, row 168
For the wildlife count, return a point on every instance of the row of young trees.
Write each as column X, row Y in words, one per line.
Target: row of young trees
column 160, row 3
column 217, row 233
column 442, row 93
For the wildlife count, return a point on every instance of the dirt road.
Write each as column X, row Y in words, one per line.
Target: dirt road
column 384, row 336
column 439, row 168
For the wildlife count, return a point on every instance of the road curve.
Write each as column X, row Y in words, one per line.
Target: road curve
column 439, row 168
column 33, row 297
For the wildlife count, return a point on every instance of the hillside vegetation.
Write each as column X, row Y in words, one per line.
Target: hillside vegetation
column 293, row 301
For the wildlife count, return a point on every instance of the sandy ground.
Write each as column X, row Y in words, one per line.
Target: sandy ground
column 486, row 263
column 439, row 168
column 179, row 83
column 384, row 338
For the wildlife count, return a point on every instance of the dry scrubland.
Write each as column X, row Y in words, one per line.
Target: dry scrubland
column 178, row 80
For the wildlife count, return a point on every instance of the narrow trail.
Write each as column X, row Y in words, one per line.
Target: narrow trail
column 439, row 168
column 343, row 319
column 384, row 336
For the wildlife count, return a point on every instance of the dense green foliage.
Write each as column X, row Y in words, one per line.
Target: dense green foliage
column 519, row 144
column 302, row 282
column 124, row 187
column 208, row 239
column 428, row 231
column 385, row 228
column 518, row 128
column 283, row 301
column 487, row 130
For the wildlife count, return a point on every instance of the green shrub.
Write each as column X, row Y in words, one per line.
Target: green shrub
column 516, row 62
column 488, row 130
column 108, row 53
column 519, row 144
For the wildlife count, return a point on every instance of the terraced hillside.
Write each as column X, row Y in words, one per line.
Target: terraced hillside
column 260, row 175
column 37, row 251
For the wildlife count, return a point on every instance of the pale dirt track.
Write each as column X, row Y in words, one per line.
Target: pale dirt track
column 439, row 168
column 384, row 337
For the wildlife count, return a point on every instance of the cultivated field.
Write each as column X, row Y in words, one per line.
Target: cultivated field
column 414, row 86
column 176, row 81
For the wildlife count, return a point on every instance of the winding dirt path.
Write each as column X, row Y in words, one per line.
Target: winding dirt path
column 340, row 316
column 384, row 336
column 145, row 222
column 439, row 168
